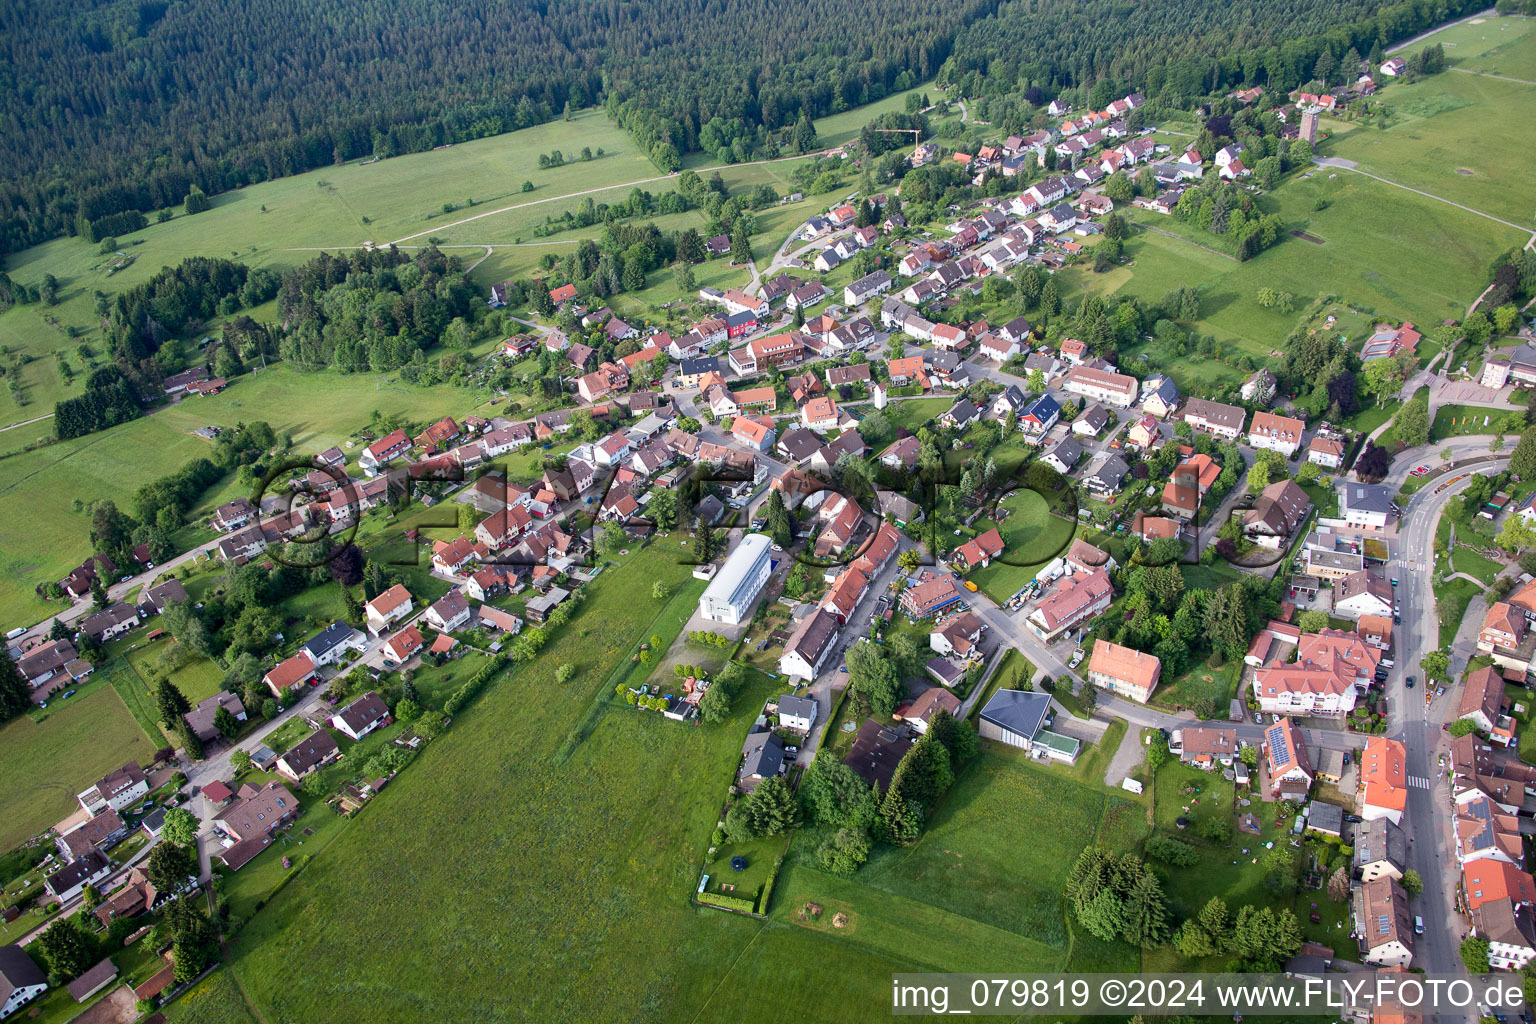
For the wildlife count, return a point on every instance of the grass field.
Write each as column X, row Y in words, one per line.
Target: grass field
column 981, row 843
column 1237, row 871
column 1363, row 227
column 214, row 1000
column 42, row 538
column 1436, row 137
column 1032, row 537
column 43, row 764
column 588, row 849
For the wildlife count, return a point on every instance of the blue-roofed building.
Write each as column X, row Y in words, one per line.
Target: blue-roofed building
column 1040, row 415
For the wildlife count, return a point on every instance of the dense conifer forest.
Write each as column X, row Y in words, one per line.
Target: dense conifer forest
column 115, row 110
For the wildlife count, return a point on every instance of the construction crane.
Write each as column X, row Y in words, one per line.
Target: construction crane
column 917, row 135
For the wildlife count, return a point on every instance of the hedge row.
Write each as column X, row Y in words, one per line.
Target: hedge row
column 462, row 695
column 716, row 899
column 762, row 900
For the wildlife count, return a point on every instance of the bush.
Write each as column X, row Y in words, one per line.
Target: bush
column 716, row 899
column 1172, row 851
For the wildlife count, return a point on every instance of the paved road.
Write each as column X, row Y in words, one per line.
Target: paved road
column 1418, row 725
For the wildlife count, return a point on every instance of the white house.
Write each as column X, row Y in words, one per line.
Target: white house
column 388, row 608
column 20, row 979
column 362, row 716
column 797, row 713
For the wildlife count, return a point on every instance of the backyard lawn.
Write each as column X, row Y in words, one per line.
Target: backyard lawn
column 47, row 759
column 1032, row 536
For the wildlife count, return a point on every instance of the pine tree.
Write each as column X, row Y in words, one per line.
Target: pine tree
column 1146, row 912
column 196, row 201
column 1522, row 461
column 189, row 741
column 741, row 247
column 805, row 134
column 171, row 703
column 15, row 695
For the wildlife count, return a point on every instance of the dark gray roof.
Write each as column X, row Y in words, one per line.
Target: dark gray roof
column 1068, row 451
column 1380, row 840
column 18, row 970
column 703, row 364
column 962, row 410
column 327, row 640
column 764, row 755
column 799, row 444
column 1096, row 417
column 799, row 707
column 1365, row 497
column 75, row 872
column 815, row 632
column 1113, row 470
column 1019, row 711
column 1328, row 817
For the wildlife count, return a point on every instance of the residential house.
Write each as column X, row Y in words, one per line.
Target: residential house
column 1384, row 780
column 1064, row 456
column 1506, row 636
column 1074, row 600
column 1381, row 850
column 1326, row 452
column 1039, row 416
column 362, row 716
column 1159, row 396
column 919, row 714
column 928, row 598
column 383, row 451
column 978, row 552
column 249, row 823
column 1259, row 388
column 797, row 714
column 1108, row 477
column 1323, row 681
column 1114, row 389
column 69, row 881
column 233, row 515
column 93, row 834
column 1482, row 704
column 1383, row 923
column 1204, row 747
column 111, row 622
column 289, row 674
column 820, row 414
column 1510, row 931
column 1286, row 761
column 1224, row 421
column 960, row 415
column 1124, row 671
column 1362, row 593
column 448, row 613
column 807, row 648
column 1365, row 506
column 1276, row 433
column 1091, row 422
column 313, row 751
column 201, row 719
column 388, row 608
column 1279, row 510
column 1187, row 486
column 867, row 287
column 115, row 790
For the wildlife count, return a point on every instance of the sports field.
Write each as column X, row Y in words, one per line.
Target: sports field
column 43, row 764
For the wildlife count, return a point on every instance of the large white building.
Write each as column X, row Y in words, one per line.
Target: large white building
column 729, row 596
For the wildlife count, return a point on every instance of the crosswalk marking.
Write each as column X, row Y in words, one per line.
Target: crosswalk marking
column 1416, row 781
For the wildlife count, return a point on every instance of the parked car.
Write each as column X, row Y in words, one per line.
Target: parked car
column 1410, row 682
